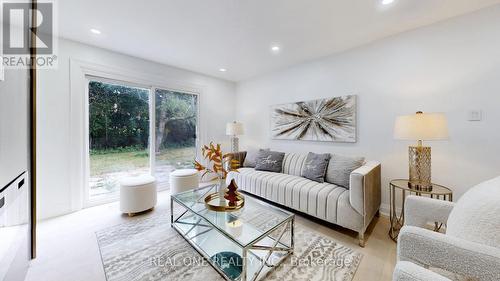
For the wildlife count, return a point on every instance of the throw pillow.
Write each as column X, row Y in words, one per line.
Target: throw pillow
column 271, row 161
column 340, row 169
column 240, row 156
column 251, row 157
column 315, row 167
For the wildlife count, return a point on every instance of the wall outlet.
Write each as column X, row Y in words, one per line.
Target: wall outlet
column 475, row 115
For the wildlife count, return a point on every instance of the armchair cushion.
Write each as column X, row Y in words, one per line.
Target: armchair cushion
column 452, row 254
column 476, row 216
column 407, row 271
column 421, row 210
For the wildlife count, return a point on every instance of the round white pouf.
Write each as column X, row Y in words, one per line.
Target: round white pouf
column 137, row 194
column 183, row 180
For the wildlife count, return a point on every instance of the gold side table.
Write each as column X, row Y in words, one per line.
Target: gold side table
column 405, row 187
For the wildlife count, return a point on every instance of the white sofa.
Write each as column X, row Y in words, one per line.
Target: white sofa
column 471, row 245
column 352, row 208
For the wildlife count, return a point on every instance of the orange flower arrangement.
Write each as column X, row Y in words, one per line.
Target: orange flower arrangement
column 221, row 164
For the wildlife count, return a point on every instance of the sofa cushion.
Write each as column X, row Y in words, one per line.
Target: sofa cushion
column 301, row 194
column 340, row 168
column 271, row 161
column 293, row 163
column 251, row 157
column 315, row 166
column 475, row 216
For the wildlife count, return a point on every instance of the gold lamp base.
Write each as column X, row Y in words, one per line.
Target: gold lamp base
column 420, row 167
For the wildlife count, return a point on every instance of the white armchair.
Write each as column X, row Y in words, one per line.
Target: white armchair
column 471, row 245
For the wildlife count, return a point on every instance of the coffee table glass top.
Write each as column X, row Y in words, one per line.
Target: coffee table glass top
column 245, row 225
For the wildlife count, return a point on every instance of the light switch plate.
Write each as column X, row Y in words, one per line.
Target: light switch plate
column 475, row 115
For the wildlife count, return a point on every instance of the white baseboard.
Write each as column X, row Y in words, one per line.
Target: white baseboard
column 385, row 209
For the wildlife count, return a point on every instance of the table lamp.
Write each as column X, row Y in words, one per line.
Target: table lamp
column 234, row 129
column 421, row 126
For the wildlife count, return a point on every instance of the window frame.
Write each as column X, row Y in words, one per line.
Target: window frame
column 84, row 72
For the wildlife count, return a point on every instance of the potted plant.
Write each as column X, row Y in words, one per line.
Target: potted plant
column 218, row 164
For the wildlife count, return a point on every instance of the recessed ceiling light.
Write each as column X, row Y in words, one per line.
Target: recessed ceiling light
column 222, row 69
column 95, row 31
column 275, row 49
column 387, row 2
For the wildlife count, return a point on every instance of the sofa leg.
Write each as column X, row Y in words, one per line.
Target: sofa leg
column 361, row 237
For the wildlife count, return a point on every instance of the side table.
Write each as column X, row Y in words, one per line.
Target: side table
column 397, row 220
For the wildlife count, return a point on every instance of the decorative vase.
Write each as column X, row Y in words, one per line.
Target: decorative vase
column 222, row 189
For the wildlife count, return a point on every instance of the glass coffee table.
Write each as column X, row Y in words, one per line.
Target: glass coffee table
column 241, row 245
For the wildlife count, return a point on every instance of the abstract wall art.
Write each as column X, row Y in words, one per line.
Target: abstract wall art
column 330, row 120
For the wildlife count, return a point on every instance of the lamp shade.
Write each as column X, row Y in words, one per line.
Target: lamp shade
column 234, row 129
column 421, row 126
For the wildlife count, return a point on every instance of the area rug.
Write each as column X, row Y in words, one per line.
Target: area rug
column 149, row 249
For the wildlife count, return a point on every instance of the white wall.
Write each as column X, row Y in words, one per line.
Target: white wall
column 54, row 184
column 451, row 67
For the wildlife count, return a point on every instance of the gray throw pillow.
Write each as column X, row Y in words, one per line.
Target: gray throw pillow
column 251, row 157
column 340, row 169
column 315, row 166
column 271, row 161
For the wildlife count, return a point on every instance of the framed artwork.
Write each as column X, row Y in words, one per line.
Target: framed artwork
column 329, row 120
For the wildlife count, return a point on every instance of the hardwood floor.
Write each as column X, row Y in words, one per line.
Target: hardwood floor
column 68, row 251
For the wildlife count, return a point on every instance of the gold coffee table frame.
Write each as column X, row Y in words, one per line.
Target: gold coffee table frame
column 405, row 186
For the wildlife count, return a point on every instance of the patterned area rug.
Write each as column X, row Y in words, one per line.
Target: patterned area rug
column 149, row 249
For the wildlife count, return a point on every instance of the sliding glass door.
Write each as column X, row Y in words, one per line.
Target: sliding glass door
column 175, row 132
column 118, row 136
column 122, row 120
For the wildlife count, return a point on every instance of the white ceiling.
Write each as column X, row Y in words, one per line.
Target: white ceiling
column 206, row 35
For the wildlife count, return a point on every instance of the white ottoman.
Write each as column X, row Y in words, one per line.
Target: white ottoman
column 137, row 194
column 183, row 180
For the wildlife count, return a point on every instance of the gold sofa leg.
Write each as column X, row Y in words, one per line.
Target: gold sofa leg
column 361, row 237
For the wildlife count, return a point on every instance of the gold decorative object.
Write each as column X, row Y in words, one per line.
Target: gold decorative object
column 421, row 126
column 213, row 202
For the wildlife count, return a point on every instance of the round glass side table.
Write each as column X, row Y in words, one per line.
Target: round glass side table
column 406, row 188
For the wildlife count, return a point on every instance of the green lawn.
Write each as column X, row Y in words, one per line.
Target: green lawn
column 114, row 161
